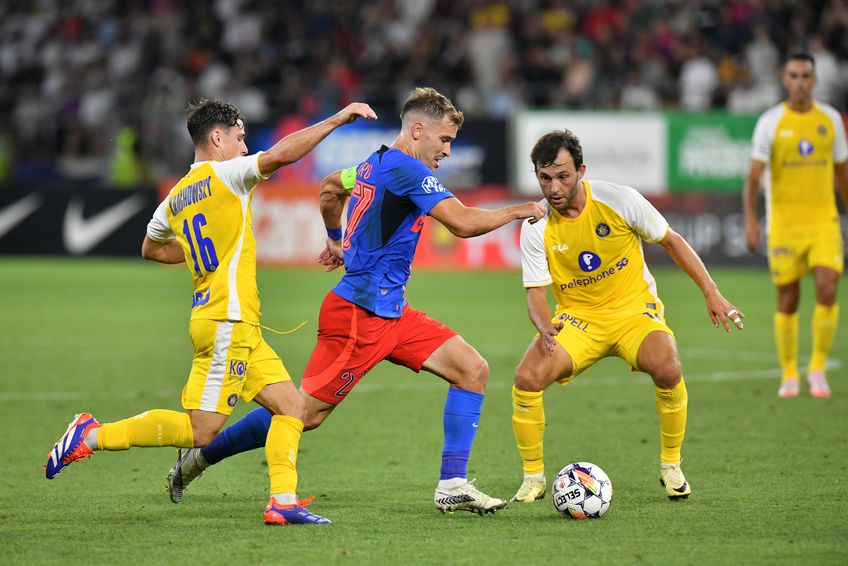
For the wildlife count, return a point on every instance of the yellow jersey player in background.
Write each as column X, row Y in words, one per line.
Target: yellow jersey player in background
column 800, row 146
column 206, row 222
column 588, row 250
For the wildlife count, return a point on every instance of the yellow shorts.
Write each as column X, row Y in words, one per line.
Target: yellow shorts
column 231, row 360
column 792, row 255
column 588, row 337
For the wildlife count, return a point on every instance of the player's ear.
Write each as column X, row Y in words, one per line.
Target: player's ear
column 215, row 137
column 581, row 171
column 417, row 129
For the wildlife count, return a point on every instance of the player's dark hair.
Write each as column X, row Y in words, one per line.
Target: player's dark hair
column 432, row 103
column 546, row 149
column 203, row 115
column 801, row 56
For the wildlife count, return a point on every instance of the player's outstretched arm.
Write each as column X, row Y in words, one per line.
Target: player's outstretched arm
column 466, row 222
column 749, row 204
column 163, row 252
column 719, row 308
column 332, row 199
column 296, row 145
column 540, row 316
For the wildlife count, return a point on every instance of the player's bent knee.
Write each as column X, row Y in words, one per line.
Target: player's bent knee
column 667, row 376
column 474, row 375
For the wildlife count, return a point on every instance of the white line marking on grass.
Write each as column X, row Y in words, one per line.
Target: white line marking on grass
column 403, row 384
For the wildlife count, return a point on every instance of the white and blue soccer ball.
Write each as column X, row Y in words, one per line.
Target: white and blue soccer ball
column 582, row 491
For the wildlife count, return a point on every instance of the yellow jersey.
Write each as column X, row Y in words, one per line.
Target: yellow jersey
column 208, row 212
column 594, row 261
column 800, row 149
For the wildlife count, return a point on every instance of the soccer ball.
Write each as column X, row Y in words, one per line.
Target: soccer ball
column 581, row 491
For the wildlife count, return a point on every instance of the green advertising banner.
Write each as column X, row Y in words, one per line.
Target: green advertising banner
column 708, row 152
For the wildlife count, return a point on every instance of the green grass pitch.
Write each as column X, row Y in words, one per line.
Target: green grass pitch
column 111, row 337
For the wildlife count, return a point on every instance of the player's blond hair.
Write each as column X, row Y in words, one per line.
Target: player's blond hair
column 432, row 103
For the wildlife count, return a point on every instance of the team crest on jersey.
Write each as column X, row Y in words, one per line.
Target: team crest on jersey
column 588, row 261
column 232, row 400
column 805, row 147
column 432, row 185
column 602, row 230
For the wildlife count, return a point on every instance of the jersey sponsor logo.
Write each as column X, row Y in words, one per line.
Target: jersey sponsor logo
column 654, row 315
column 592, row 279
column 432, row 185
column 805, row 147
column 190, row 194
column 579, row 324
column 588, row 261
column 16, row 213
column 238, row 370
column 83, row 234
column 602, row 230
column 559, row 247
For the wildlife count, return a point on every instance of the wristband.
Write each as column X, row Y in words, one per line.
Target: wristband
column 334, row 234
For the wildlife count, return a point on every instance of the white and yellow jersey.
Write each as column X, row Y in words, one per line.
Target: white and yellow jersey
column 208, row 212
column 594, row 261
column 800, row 149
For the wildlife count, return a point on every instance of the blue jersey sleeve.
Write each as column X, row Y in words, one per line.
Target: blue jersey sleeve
column 408, row 177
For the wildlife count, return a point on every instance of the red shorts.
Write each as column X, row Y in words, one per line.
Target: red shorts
column 352, row 340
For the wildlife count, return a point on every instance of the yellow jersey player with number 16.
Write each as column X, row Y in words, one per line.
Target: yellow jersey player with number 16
column 206, row 222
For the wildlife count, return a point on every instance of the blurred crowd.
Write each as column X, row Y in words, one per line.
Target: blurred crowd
column 83, row 81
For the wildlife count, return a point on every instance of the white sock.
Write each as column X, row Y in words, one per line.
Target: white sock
column 539, row 476
column 91, row 438
column 451, row 483
column 285, row 498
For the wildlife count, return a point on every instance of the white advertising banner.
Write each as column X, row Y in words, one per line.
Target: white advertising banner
column 625, row 148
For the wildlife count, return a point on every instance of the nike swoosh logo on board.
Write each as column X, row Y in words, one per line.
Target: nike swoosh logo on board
column 15, row 213
column 83, row 234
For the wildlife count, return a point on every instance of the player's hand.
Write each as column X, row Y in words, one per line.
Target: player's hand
column 355, row 110
column 752, row 235
column 534, row 211
column 332, row 257
column 549, row 337
column 724, row 313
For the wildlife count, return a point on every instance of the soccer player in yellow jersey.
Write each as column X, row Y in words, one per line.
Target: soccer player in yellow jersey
column 588, row 251
column 800, row 146
column 206, row 222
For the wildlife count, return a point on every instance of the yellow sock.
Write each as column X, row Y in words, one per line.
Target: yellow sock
column 671, row 407
column 824, row 329
column 528, row 424
column 786, row 338
column 151, row 428
column 281, row 453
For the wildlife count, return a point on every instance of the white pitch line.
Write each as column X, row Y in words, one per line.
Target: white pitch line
column 427, row 383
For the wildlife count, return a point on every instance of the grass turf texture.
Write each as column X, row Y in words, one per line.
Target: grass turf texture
column 111, row 337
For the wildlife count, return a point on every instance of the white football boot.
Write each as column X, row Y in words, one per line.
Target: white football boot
column 466, row 497
column 533, row 488
column 671, row 476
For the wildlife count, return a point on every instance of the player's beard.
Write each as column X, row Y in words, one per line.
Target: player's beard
column 569, row 197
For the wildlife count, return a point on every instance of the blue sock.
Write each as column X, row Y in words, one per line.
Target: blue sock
column 462, row 414
column 245, row 434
